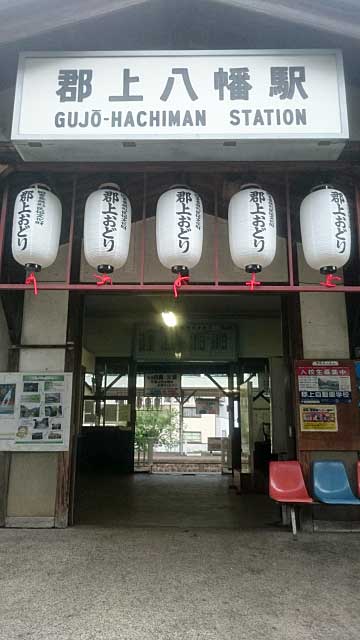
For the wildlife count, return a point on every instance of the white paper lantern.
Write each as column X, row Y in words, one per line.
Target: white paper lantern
column 107, row 228
column 36, row 227
column 179, row 229
column 325, row 229
column 252, row 228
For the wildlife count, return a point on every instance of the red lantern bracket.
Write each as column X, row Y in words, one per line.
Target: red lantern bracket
column 178, row 283
column 253, row 282
column 329, row 281
column 31, row 280
column 103, row 279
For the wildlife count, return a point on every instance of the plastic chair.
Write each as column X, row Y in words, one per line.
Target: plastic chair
column 358, row 477
column 331, row 483
column 287, row 486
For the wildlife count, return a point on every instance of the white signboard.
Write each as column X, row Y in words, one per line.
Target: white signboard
column 35, row 411
column 194, row 95
column 165, row 385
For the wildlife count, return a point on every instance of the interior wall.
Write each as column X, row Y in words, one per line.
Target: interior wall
column 88, row 360
column 155, row 272
column 108, row 336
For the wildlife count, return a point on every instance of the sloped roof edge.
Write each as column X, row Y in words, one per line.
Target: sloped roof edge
column 343, row 19
column 21, row 19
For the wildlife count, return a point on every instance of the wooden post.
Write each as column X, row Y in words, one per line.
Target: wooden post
column 66, row 469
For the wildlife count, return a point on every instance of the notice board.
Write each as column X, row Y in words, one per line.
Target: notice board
column 35, row 411
column 327, row 405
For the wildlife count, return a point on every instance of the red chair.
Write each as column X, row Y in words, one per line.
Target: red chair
column 287, row 486
column 358, row 477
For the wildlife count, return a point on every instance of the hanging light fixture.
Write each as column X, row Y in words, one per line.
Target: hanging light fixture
column 325, row 231
column 36, row 230
column 169, row 318
column 179, row 232
column 252, row 230
column 107, row 227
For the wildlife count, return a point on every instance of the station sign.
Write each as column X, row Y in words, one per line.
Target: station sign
column 177, row 96
column 191, row 342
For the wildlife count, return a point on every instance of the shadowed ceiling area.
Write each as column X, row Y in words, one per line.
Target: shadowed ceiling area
column 20, row 19
column 194, row 305
column 173, row 24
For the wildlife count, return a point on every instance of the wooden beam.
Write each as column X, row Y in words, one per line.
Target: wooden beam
column 27, row 18
column 5, row 457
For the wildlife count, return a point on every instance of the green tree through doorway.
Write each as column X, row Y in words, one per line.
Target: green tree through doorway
column 162, row 426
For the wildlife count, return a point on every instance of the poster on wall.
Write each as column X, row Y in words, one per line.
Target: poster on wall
column 164, row 385
column 207, row 406
column 324, row 384
column 35, row 411
column 357, row 375
column 318, row 418
column 7, row 399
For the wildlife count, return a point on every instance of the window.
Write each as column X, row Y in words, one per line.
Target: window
column 192, row 436
column 89, row 412
column 190, row 412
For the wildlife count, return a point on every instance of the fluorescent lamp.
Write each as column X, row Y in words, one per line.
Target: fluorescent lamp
column 169, row 318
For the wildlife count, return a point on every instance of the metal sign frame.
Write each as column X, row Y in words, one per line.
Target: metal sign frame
column 343, row 135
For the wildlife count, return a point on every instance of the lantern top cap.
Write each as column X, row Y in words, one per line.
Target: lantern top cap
column 109, row 185
column 40, row 185
column 320, row 187
column 179, row 186
column 250, row 185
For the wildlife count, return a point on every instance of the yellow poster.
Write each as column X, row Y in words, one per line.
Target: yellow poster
column 322, row 417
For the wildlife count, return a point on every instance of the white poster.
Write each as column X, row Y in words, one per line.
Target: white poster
column 35, row 411
column 165, row 385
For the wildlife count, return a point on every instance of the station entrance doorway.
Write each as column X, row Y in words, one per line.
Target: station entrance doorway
column 174, row 408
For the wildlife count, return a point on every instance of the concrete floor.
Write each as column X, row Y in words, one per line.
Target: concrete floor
column 189, row 579
column 175, row 500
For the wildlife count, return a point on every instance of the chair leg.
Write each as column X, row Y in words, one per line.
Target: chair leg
column 293, row 521
column 284, row 515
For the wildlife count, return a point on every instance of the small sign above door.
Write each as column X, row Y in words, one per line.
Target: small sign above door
column 191, row 342
column 164, row 385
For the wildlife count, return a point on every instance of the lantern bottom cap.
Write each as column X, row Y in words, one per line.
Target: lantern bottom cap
column 253, row 268
column 328, row 269
column 105, row 268
column 182, row 271
column 32, row 266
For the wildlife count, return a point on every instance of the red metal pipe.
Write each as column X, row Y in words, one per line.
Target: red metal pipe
column 289, row 234
column 71, row 232
column 216, row 231
column 143, row 237
column 192, row 288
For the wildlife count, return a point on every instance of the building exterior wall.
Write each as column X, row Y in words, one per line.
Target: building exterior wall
column 323, row 318
column 33, row 480
column 33, row 476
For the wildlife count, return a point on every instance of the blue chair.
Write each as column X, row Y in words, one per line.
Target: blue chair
column 331, row 483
